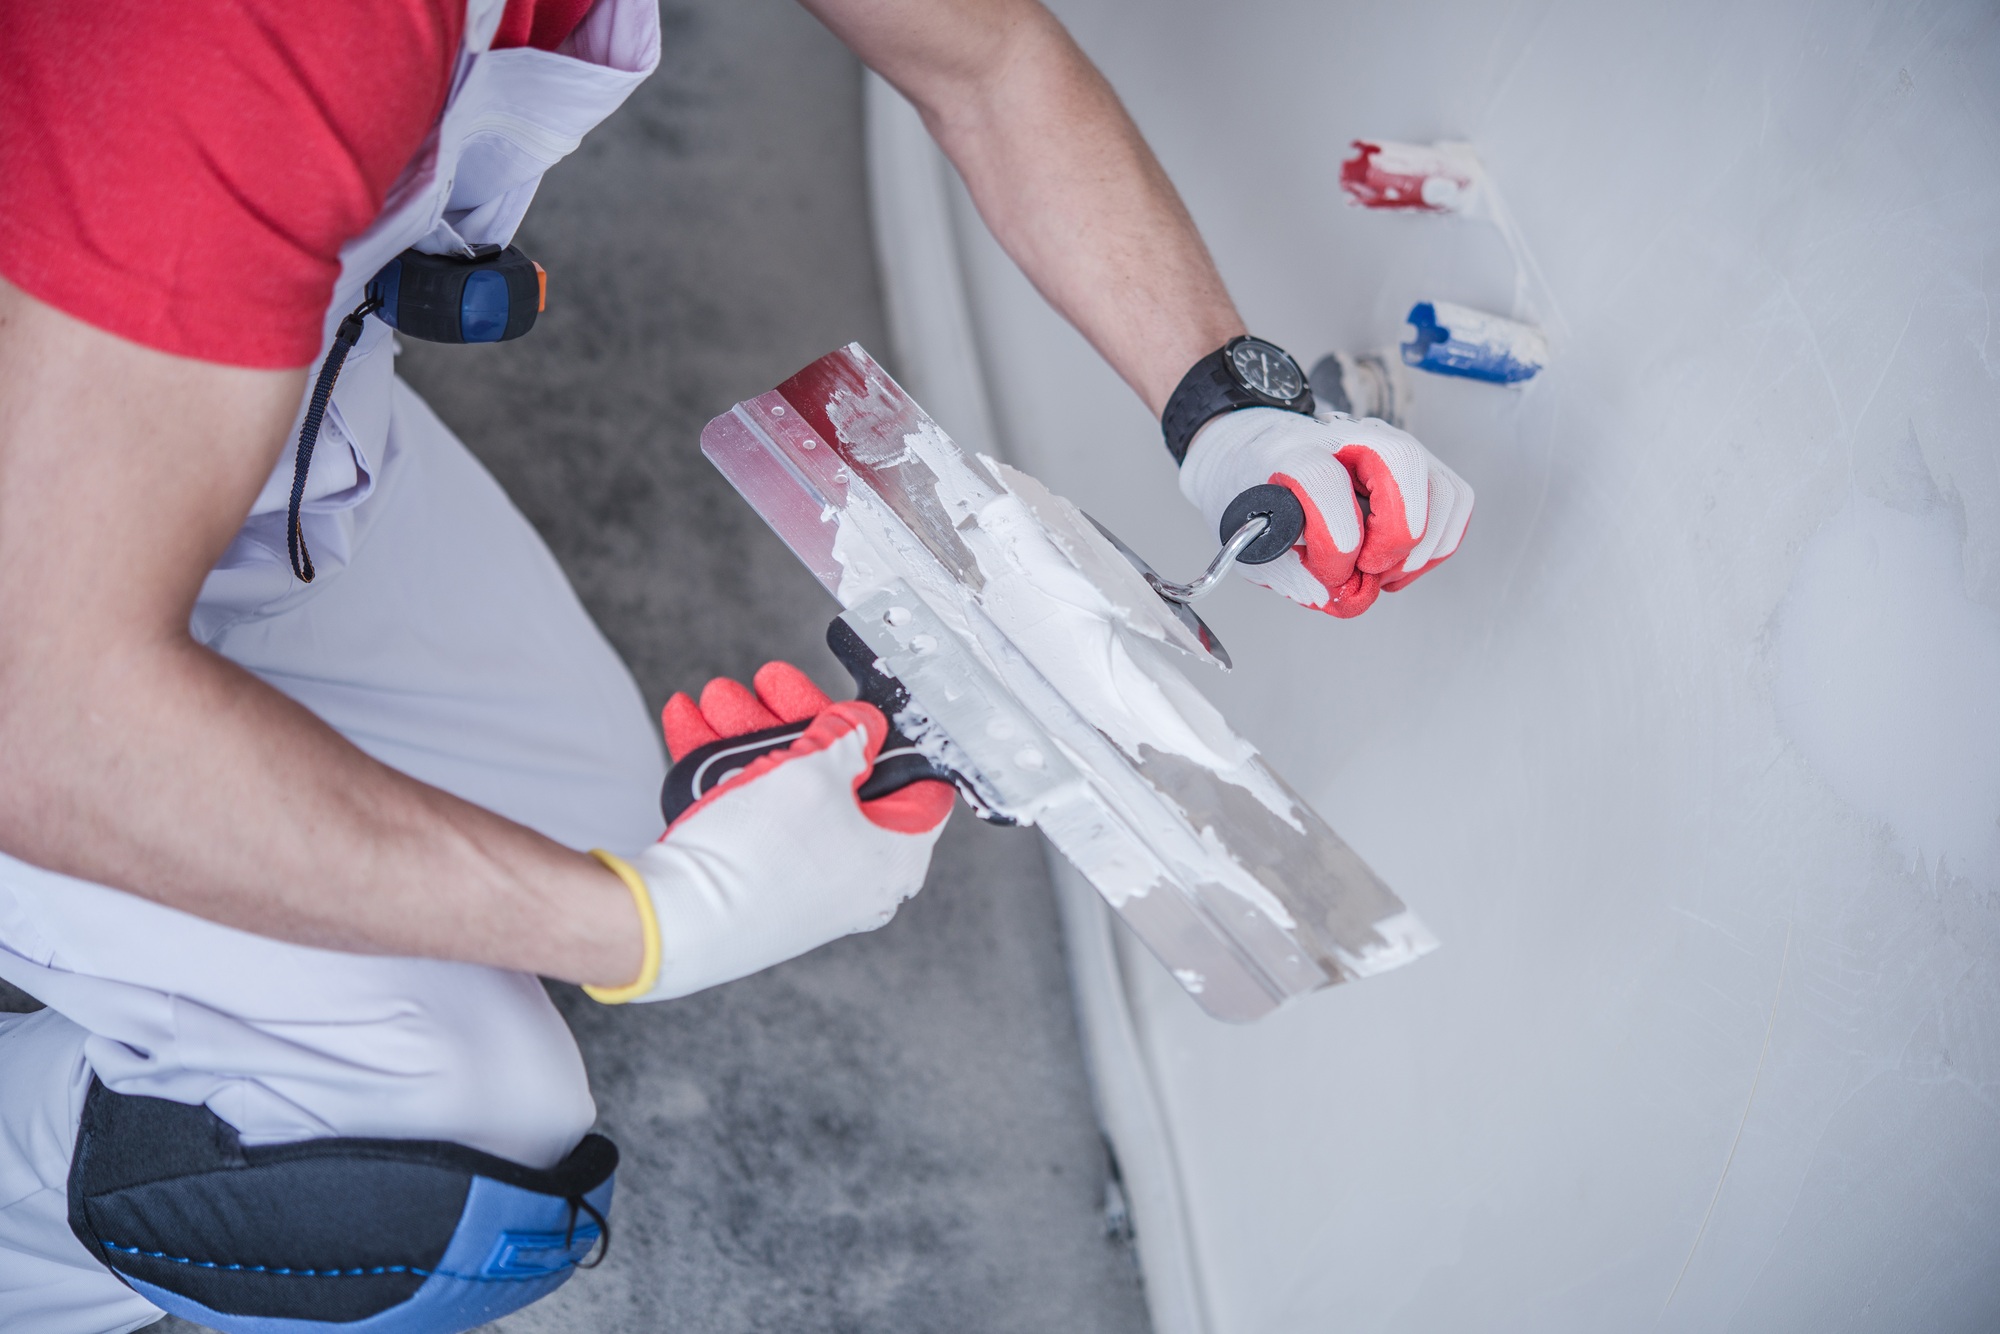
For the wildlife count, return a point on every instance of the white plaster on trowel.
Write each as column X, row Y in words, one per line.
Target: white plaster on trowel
column 862, row 568
column 1069, row 613
column 1130, row 598
column 1403, row 937
column 1091, row 648
column 1080, row 612
column 1093, row 630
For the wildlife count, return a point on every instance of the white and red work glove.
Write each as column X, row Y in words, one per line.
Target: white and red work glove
column 780, row 858
column 1380, row 508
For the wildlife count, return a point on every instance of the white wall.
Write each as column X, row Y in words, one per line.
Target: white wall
column 1692, row 756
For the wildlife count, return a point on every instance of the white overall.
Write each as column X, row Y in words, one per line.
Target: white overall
column 441, row 638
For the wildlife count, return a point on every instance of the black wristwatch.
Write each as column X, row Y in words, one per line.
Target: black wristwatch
column 1245, row 372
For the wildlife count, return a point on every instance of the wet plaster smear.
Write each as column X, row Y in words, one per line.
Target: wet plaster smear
column 1691, row 758
column 1077, row 612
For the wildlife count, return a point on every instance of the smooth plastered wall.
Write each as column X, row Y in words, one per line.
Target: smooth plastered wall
column 1692, row 756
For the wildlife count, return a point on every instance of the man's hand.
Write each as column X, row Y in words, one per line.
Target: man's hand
column 1380, row 508
column 779, row 858
column 1068, row 186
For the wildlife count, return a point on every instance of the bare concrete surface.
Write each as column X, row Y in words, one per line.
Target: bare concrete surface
column 893, row 1134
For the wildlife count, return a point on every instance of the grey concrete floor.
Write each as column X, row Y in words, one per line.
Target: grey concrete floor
column 894, row 1133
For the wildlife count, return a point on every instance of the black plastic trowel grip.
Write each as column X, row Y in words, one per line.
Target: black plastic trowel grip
column 1278, row 507
column 898, row 765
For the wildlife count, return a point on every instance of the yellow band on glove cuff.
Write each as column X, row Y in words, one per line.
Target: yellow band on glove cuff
column 649, row 968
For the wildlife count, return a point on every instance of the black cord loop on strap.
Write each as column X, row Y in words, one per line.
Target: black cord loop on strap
column 344, row 340
column 603, row 1247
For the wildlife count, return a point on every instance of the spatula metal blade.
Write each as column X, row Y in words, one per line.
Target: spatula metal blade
column 1242, row 890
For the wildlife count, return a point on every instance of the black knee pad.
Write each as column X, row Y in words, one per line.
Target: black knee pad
column 376, row 1236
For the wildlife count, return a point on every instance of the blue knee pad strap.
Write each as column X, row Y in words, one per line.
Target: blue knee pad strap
column 374, row 1236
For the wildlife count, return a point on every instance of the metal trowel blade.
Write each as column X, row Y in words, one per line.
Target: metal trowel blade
column 1227, row 874
column 1184, row 613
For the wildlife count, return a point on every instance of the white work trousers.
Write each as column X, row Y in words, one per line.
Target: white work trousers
column 451, row 647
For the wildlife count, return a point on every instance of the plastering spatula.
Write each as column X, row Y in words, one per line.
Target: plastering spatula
column 1038, row 668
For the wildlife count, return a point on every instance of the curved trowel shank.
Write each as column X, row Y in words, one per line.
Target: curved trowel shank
column 1042, row 667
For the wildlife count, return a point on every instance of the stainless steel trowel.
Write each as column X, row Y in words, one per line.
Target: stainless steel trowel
column 900, row 763
column 1024, row 653
column 1259, row 526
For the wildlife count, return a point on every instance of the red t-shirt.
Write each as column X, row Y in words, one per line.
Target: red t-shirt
column 184, row 174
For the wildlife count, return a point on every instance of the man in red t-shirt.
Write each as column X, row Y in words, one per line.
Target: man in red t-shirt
column 286, row 858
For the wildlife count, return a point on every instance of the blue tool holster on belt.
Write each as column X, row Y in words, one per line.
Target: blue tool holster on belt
column 372, row 1236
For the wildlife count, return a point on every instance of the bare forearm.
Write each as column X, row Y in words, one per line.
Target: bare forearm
column 1059, row 172
column 167, row 771
column 135, row 758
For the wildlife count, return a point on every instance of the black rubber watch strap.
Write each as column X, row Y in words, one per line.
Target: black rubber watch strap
column 1209, row 389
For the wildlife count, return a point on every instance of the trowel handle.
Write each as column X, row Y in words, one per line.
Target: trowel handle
column 1284, row 517
column 898, row 765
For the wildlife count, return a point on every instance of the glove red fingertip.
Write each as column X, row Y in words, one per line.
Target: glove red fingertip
column 684, row 727
column 732, row 710
column 1320, row 554
column 1402, row 582
column 1397, row 582
column 1386, row 539
column 788, row 692
column 1355, row 596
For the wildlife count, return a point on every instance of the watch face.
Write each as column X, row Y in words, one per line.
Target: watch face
column 1266, row 369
